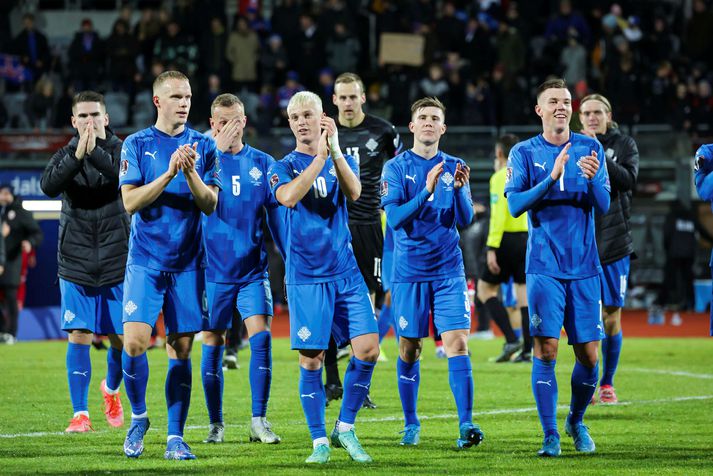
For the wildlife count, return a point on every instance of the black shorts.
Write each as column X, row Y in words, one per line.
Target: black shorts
column 511, row 259
column 368, row 244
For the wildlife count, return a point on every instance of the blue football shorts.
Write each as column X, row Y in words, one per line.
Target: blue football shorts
column 181, row 296
column 250, row 299
column 341, row 308
column 96, row 309
column 413, row 302
column 614, row 278
column 573, row 303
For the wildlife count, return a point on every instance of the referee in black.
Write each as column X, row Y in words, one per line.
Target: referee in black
column 371, row 141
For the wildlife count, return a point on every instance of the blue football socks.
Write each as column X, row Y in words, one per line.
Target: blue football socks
column 79, row 374
column 136, row 376
column 260, row 371
column 178, row 394
column 313, row 401
column 460, row 377
column 409, row 378
column 544, row 388
column 212, row 376
column 611, row 349
column 356, row 387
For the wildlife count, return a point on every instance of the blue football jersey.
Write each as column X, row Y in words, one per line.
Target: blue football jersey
column 426, row 248
column 316, row 238
column 702, row 167
column 561, row 241
column 166, row 235
column 233, row 234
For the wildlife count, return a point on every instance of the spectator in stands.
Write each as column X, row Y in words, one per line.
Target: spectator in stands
column 511, row 50
column 698, row 40
column 342, row 49
column 146, row 32
column 86, row 57
column 558, row 28
column 213, row 45
column 450, row 29
column 285, row 93
column 434, row 85
column 40, row 105
column 273, row 62
column 573, row 60
column 306, row 51
column 242, row 52
column 121, row 52
column 177, row 51
column 32, row 47
column 285, row 17
column 478, row 48
column 21, row 233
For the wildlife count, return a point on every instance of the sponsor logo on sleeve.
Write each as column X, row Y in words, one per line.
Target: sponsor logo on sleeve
column 274, row 179
column 384, row 188
column 508, row 175
column 124, row 168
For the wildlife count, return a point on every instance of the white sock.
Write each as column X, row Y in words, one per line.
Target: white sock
column 170, row 437
column 110, row 391
column 320, row 441
column 134, row 416
column 342, row 427
column 257, row 420
column 85, row 413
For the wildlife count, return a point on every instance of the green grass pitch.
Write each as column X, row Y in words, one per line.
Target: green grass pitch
column 665, row 424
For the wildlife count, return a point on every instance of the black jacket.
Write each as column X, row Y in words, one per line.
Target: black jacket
column 613, row 229
column 21, row 226
column 93, row 226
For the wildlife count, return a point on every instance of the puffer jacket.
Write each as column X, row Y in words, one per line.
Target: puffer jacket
column 613, row 230
column 93, row 225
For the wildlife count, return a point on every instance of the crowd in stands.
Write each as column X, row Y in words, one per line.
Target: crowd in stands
column 482, row 58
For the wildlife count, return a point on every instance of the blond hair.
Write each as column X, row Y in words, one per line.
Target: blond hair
column 607, row 105
column 304, row 98
column 347, row 78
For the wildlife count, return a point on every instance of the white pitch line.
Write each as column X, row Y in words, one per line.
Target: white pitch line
column 443, row 416
column 678, row 373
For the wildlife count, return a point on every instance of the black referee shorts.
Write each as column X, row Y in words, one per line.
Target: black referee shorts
column 368, row 244
column 511, row 259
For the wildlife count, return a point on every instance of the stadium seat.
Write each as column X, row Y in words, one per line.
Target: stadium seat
column 117, row 106
column 15, row 106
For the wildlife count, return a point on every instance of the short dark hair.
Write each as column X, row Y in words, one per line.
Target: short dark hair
column 507, row 142
column 88, row 96
column 427, row 102
column 554, row 83
column 226, row 100
column 346, row 78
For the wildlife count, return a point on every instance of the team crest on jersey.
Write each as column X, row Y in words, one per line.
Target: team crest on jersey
column 384, row 188
column 255, row 173
column 371, row 144
column 68, row 316
column 304, row 333
column 403, row 323
column 332, row 172
column 508, row 175
column 610, row 154
column 447, row 179
column 535, row 320
column 130, row 308
column 274, row 179
column 124, row 169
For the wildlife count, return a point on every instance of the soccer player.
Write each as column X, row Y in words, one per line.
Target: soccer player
column 561, row 196
column 325, row 292
column 169, row 175
column 91, row 272
column 371, row 141
column 613, row 230
column 236, row 268
column 505, row 259
column 703, row 166
column 426, row 193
